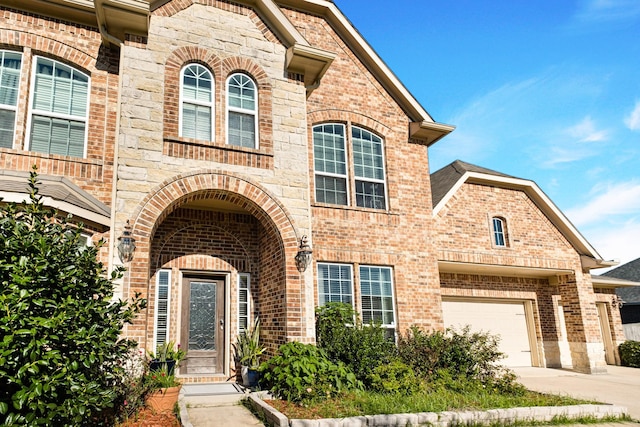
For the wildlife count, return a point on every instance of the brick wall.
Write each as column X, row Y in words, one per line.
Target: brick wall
column 80, row 47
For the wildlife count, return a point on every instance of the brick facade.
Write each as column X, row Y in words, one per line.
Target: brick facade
column 214, row 209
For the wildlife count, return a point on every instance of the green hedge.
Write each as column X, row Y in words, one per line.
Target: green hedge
column 630, row 353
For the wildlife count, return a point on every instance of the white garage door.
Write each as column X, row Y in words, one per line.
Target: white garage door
column 504, row 319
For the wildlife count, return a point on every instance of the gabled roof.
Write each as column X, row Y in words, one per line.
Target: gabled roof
column 58, row 192
column 629, row 271
column 448, row 180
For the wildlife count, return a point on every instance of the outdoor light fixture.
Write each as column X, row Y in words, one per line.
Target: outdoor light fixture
column 303, row 257
column 616, row 302
column 127, row 245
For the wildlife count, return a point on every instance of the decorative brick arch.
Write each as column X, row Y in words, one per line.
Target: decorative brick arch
column 217, row 185
column 344, row 116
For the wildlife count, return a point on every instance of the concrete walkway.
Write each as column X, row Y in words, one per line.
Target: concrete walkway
column 218, row 405
column 215, row 405
column 619, row 386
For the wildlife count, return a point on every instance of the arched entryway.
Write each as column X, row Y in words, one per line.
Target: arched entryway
column 214, row 250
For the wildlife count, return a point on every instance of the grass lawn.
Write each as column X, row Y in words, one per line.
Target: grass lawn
column 368, row 403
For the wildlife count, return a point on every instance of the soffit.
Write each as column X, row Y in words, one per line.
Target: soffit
column 499, row 270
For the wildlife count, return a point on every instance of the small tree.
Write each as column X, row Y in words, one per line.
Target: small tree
column 62, row 359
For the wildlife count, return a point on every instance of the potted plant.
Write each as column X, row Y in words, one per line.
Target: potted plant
column 163, row 386
column 248, row 353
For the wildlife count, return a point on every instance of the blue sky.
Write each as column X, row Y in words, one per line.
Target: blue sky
column 543, row 90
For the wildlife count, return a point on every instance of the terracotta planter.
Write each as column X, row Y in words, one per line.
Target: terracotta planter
column 164, row 400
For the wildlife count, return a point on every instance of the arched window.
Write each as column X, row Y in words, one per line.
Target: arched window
column 242, row 111
column 10, row 63
column 59, row 109
column 499, row 231
column 196, row 112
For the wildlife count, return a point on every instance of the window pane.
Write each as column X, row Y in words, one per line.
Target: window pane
column 376, row 295
column 370, row 195
column 242, row 131
column 368, row 158
column 57, row 136
column 241, row 92
column 331, row 190
column 329, row 149
column 498, row 231
column 7, row 122
column 334, row 283
column 9, row 77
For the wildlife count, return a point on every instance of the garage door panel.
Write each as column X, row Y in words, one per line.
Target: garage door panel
column 507, row 320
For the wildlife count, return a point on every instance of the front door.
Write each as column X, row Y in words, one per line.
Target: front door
column 202, row 332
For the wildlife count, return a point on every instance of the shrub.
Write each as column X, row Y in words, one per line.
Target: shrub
column 344, row 338
column 630, row 353
column 62, row 361
column 461, row 355
column 395, row 377
column 302, row 371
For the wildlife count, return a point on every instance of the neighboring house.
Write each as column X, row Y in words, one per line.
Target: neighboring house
column 225, row 132
column 629, row 297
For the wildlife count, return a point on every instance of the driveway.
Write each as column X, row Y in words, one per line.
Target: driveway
column 619, row 386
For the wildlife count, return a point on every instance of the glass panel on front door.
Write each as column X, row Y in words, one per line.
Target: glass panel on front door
column 202, row 316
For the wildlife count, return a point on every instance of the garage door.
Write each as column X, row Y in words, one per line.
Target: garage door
column 507, row 320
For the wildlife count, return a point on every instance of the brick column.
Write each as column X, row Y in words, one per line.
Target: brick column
column 583, row 329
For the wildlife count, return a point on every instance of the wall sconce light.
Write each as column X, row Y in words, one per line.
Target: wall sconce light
column 616, row 302
column 303, row 257
column 127, row 245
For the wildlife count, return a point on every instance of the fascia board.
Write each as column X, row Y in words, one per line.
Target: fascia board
column 76, row 211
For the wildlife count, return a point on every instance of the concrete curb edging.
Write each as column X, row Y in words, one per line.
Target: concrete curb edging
column 443, row 419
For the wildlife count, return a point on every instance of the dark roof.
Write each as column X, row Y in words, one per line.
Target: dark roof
column 628, row 271
column 56, row 187
column 444, row 179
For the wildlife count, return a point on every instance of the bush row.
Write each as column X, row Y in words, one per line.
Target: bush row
column 351, row 355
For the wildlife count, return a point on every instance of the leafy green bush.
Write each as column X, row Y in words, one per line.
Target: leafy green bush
column 62, row 361
column 630, row 353
column 341, row 334
column 460, row 354
column 395, row 377
column 302, row 372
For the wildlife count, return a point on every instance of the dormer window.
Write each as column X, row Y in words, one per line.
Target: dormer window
column 499, row 231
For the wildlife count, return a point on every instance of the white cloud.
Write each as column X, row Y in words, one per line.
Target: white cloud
column 586, row 131
column 618, row 199
column 615, row 241
column 633, row 119
column 599, row 11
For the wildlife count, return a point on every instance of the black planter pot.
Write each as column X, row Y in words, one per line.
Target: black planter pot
column 167, row 366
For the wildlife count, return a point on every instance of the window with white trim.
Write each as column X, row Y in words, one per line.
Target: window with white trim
column 335, row 283
column 242, row 111
column 499, row 231
column 197, row 106
column 376, row 296
column 59, row 109
column 10, row 64
column 332, row 159
column 244, row 303
column 163, row 304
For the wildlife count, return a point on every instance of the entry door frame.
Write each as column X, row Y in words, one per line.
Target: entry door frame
column 605, row 332
column 225, row 277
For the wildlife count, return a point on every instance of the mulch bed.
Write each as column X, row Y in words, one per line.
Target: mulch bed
column 148, row 418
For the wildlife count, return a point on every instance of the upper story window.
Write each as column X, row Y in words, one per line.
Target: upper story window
column 59, row 109
column 10, row 63
column 499, row 231
column 196, row 112
column 331, row 160
column 242, row 111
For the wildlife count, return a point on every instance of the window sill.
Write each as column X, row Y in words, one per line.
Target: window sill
column 353, row 208
column 193, row 149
